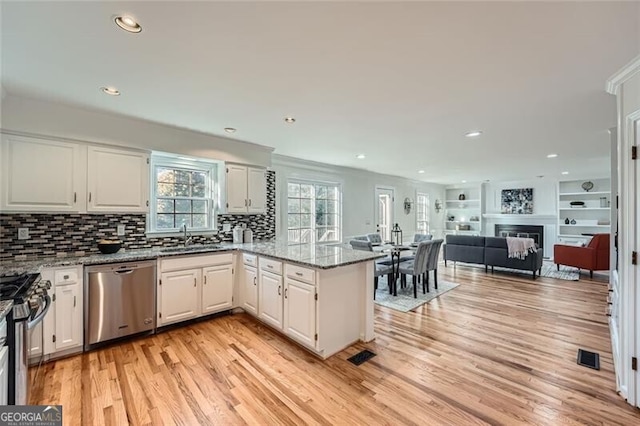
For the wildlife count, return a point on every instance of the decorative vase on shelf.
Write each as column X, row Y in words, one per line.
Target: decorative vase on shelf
column 566, row 221
column 573, row 221
column 462, row 197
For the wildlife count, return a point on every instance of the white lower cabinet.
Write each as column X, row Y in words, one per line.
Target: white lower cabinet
column 193, row 286
column 217, row 288
column 300, row 311
column 179, row 295
column 287, row 300
column 63, row 325
column 270, row 305
column 250, row 290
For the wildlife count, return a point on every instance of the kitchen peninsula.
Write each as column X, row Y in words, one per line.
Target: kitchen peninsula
column 319, row 296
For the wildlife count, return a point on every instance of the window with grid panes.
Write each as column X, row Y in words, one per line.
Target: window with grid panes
column 422, row 213
column 182, row 194
column 313, row 212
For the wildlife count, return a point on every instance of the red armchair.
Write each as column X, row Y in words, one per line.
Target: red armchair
column 593, row 257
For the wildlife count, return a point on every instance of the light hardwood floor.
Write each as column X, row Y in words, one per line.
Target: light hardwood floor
column 498, row 349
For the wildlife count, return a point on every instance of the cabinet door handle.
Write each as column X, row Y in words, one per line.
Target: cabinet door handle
column 249, row 201
column 89, row 197
column 255, row 279
column 279, row 291
column 270, row 266
column 285, row 292
column 74, row 301
column 245, row 202
column 205, row 280
column 75, row 197
column 299, row 274
column 195, row 280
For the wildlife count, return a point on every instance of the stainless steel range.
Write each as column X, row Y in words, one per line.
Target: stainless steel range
column 31, row 302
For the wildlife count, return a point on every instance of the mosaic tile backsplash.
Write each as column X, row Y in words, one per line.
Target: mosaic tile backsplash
column 76, row 234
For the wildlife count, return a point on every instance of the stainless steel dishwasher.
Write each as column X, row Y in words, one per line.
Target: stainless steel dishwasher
column 120, row 300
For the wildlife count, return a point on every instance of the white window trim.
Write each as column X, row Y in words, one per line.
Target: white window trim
column 285, row 206
column 213, row 167
column 427, row 208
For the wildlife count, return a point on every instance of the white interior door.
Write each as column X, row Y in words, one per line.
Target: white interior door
column 384, row 212
column 634, row 315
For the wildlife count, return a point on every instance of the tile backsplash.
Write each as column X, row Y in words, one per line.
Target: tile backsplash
column 61, row 234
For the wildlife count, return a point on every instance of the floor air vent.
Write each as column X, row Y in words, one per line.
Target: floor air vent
column 589, row 359
column 361, row 357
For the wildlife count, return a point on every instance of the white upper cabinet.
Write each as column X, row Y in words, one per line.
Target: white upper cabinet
column 45, row 175
column 246, row 189
column 117, row 180
column 42, row 175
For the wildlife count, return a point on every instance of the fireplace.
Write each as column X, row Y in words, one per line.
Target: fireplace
column 523, row 231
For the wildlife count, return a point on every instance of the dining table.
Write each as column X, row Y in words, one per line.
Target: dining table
column 395, row 251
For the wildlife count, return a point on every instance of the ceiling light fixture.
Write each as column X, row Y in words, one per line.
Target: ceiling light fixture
column 565, row 173
column 128, row 24
column 552, row 155
column 473, row 133
column 110, row 91
column 421, row 171
column 464, row 181
column 360, row 156
column 229, row 130
column 289, row 120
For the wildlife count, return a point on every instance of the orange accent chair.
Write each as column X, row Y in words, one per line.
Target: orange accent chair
column 593, row 257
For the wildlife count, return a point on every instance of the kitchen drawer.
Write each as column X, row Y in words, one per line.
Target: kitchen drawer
column 188, row 262
column 301, row 274
column 271, row 265
column 250, row 259
column 66, row 276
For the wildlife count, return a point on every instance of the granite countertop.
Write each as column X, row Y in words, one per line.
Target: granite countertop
column 5, row 308
column 315, row 256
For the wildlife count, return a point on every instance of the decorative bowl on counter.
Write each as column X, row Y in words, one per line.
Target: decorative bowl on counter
column 109, row 246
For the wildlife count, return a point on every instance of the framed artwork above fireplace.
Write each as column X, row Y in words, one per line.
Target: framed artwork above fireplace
column 517, row 201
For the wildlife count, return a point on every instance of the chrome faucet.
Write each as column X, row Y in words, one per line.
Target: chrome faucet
column 187, row 238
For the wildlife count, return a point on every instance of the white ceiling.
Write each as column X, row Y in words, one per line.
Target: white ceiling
column 399, row 82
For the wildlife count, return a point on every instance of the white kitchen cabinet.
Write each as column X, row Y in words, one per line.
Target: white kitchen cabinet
column 36, row 342
column 117, row 180
column 180, row 296
column 42, row 175
column 246, row 189
column 193, row 286
column 217, row 289
column 300, row 311
column 63, row 325
column 250, row 290
column 270, row 303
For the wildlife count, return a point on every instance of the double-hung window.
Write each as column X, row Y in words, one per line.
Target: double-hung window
column 422, row 213
column 313, row 212
column 182, row 193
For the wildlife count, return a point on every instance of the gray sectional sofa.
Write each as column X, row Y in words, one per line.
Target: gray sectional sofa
column 488, row 251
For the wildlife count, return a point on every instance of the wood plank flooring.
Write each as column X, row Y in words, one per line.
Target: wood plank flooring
column 499, row 349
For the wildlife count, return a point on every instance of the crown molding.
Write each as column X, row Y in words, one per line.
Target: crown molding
column 624, row 74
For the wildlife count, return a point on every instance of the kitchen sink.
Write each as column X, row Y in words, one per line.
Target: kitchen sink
column 195, row 247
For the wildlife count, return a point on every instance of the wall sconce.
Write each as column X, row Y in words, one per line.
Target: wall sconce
column 438, row 206
column 408, row 202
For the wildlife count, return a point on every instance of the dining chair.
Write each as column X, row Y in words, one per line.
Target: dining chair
column 432, row 264
column 382, row 267
column 418, row 238
column 417, row 267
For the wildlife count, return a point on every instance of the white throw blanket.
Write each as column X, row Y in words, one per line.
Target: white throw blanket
column 520, row 247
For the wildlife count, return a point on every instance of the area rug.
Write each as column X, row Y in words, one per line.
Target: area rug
column 404, row 301
column 568, row 273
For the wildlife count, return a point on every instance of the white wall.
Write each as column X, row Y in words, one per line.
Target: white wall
column 44, row 118
column 545, row 195
column 358, row 196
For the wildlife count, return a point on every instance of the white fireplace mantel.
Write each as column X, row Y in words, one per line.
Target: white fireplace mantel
column 520, row 217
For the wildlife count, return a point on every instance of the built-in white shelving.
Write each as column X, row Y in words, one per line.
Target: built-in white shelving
column 594, row 217
column 460, row 214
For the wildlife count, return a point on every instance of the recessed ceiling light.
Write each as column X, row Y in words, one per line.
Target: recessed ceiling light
column 229, row 130
column 565, row 173
column 110, row 91
column 540, row 176
column 289, row 119
column 360, row 156
column 464, row 181
column 552, row 155
column 473, row 133
column 127, row 23
column 420, row 171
